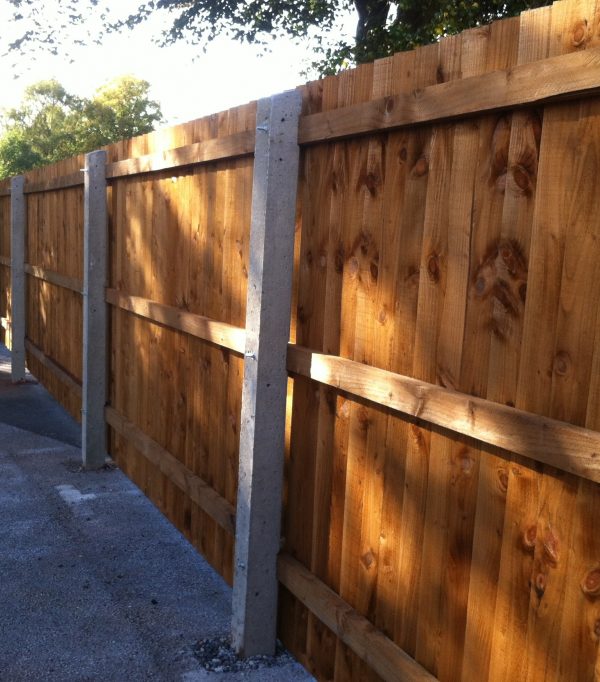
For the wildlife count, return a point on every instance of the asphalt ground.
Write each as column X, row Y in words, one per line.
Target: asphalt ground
column 95, row 584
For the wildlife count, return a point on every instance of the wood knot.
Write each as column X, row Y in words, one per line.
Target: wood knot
column 433, row 268
column 502, row 475
column 374, row 270
column 529, row 537
column 562, row 363
column 382, row 317
column 412, row 275
column 590, row 585
column 579, row 33
column 421, row 167
column 551, row 547
column 597, row 629
column 389, row 105
column 539, row 585
column 480, row 286
column 522, row 180
column 323, row 259
column 368, row 559
column 465, row 462
column 309, row 258
column 403, row 154
column 372, row 183
column 364, row 420
column 353, row 267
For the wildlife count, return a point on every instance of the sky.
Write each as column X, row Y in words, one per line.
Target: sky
column 187, row 82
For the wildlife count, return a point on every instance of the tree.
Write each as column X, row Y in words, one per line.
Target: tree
column 383, row 26
column 51, row 124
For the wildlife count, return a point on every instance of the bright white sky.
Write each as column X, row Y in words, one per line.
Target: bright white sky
column 226, row 75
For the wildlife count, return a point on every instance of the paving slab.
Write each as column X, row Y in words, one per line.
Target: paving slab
column 95, row 583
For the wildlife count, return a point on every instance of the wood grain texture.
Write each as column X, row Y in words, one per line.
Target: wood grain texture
column 560, row 77
column 59, row 280
column 237, row 144
column 61, row 375
column 190, row 484
column 441, row 476
column 386, row 658
column 219, row 333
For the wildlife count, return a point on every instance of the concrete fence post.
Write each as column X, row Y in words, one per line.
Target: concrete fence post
column 262, row 431
column 18, row 227
column 95, row 273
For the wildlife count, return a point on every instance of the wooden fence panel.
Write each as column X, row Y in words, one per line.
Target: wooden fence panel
column 461, row 254
column 180, row 238
column 54, row 244
column 436, row 539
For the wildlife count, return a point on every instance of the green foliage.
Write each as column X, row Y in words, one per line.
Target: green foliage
column 51, row 124
column 383, row 27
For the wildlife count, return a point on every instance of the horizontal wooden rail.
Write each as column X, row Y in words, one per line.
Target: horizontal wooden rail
column 563, row 77
column 4, row 192
column 59, row 372
column 62, row 182
column 239, row 144
column 5, row 260
column 571, row 448
column 55, row 278
column 208, row 499
column 219, row 333
column 385, row 657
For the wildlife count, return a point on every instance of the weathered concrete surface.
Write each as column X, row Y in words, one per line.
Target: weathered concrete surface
column 95, row 583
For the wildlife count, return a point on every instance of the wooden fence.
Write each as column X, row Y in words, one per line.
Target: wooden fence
column 443, row 446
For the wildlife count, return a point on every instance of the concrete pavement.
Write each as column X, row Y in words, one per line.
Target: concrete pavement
column 95, row 583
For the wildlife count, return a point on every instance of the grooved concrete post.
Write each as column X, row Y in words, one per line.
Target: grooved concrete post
column 18, row 225
column 95, row 265
column 262, row 431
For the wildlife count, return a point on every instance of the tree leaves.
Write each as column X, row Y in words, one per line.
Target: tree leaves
column 383, row 26
column 51, row 124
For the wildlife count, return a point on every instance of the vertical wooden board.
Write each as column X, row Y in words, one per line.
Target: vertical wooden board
column 306, row 492
column 371, row 346
column 553, row 525
column 202, row 527
column 394, row 311
column 573, row 362
column 236, row 263
column 446, row 64
column 360, row 246
column 316, row 328
column 506, row 562
column 408, row 252
column 478, row 502
column 453, row 464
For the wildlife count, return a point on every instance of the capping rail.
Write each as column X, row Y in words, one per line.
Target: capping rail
column 552, row 79
column 217, row 149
